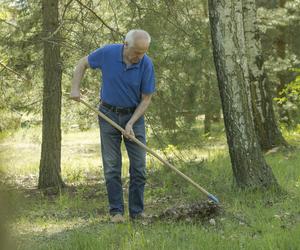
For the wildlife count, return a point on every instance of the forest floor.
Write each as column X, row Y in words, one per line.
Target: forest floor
column 76, row 217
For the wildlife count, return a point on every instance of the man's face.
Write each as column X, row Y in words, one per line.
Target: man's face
column 137, row 51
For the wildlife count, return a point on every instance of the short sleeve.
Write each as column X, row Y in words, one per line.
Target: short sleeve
column 148, row 79
column 96, row 58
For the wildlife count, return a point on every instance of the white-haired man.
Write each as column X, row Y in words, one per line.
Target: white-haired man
column 128, row 83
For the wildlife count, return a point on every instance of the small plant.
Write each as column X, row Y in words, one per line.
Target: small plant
column 289, row 100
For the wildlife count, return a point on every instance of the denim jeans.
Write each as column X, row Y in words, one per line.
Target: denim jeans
column 111, row 140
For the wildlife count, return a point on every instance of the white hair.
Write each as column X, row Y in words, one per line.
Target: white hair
column 133, row 34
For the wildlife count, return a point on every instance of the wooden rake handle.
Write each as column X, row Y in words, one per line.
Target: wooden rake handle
column 115, row 125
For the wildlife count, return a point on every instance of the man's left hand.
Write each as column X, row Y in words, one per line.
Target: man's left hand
column 128, row 131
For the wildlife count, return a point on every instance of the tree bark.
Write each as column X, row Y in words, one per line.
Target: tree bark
column 266, row 128
column 249, row 167
column 50, row 169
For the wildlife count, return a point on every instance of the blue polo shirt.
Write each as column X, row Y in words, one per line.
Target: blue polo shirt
column 122, row 86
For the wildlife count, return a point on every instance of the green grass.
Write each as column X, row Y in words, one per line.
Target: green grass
column 77, row 217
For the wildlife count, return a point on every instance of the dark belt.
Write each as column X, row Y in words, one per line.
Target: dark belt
column 119, row 110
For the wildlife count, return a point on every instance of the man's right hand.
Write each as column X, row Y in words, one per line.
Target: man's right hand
column 75, row 95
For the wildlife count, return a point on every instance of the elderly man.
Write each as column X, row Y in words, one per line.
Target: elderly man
column 128, row 84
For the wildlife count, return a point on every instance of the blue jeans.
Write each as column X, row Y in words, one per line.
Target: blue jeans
column 112, row 162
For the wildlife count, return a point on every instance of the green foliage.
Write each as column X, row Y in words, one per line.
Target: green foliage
column 9, row 120
column 290, row 101
column 20, row 50
column 279, row 26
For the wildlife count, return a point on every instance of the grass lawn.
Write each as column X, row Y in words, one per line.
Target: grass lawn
column 76, row 218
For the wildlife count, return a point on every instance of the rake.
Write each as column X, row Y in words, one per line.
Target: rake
column 115, row 125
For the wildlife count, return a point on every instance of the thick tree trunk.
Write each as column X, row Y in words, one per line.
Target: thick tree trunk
column 249, row 166
column 266, row 128
column 50, row 170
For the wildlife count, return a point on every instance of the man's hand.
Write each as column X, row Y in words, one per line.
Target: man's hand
column 128, row 131
column 140, row 110
column 75, row 95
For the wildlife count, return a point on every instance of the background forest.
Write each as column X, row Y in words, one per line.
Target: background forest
column 181, row 51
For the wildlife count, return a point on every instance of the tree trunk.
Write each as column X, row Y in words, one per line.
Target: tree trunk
column 50, row 170
column 208, row 110
column 266, row 128
column 211, row 103
column 248, row 164
column 280, row 45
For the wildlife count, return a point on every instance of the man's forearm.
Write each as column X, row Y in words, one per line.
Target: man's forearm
column 77, row 77
column 140, row 110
